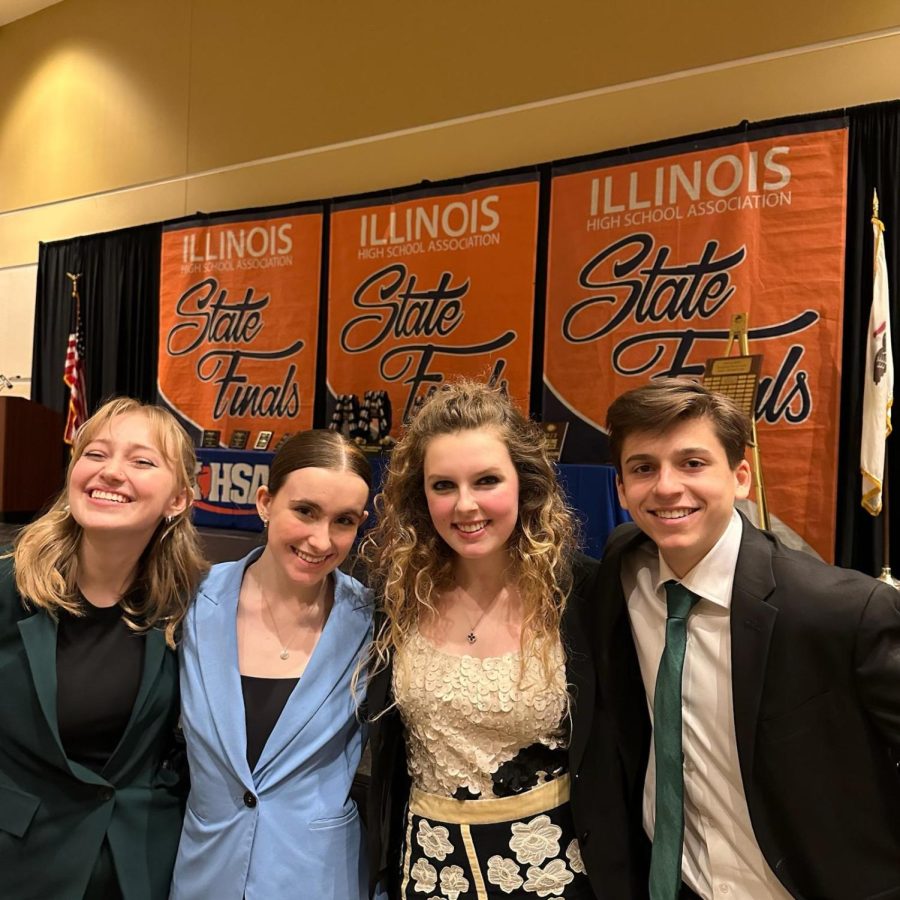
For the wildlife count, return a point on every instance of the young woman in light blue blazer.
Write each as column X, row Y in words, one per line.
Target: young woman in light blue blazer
column 267, row 657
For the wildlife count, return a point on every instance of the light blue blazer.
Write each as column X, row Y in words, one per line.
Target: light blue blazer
column 288, row 829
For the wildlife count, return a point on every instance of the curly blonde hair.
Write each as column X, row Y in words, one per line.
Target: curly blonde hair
column 172, row 564
column 410, row 564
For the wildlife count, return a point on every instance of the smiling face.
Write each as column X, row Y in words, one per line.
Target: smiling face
column 472, row 489
column 123, row 484
column 312, row 521
column 680, row 489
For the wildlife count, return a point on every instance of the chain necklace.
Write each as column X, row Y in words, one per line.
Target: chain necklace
column 285, row 645
column 471, row 637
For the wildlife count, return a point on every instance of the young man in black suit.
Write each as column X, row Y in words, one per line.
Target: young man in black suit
column 754, row 691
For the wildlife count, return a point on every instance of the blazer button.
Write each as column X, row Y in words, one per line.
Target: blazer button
column 584, row 837
column 106, row 794
column 249, row 800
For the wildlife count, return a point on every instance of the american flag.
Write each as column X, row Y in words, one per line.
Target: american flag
column 73, row 373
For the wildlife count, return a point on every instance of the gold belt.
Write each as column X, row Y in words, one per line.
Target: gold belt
column 496, row 809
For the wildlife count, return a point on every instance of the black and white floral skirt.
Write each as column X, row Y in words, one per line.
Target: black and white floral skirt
column 520, row 846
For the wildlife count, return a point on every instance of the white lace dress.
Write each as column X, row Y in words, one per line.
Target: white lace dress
column 486, row 751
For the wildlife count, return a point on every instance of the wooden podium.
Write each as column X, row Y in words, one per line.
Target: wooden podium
column 31, row 457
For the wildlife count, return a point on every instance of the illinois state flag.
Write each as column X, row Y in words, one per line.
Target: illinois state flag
column 879, row 383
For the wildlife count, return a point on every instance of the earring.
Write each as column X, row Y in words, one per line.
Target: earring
column 170, row 520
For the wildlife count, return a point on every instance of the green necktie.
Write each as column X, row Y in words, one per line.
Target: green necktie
column 668, row 831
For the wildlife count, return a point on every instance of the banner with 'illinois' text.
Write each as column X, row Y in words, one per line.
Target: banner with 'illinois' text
column 239, row 304
column 652, row 254
column 424, row 286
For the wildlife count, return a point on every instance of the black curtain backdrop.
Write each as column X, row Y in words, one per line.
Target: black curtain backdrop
column 874, row 163
column 119, row 289
column 120, row 297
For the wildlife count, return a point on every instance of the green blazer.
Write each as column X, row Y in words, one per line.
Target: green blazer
column 55, row 813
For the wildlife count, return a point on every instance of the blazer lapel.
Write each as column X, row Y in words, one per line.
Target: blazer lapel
column 627, row 699
column 621, row 685
column 217, row 652
column 582, row 681
column 329, row 669
column 154, row 653
column 752, row 622
column 38, row 634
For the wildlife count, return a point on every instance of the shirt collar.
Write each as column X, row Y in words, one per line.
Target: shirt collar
column 713, row 577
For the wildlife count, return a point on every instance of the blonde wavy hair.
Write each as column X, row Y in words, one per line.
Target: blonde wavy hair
column 45, row 553
column 410, row 564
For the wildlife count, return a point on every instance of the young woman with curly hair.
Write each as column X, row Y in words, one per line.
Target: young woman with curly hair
column 480, row 690
column 90, row 602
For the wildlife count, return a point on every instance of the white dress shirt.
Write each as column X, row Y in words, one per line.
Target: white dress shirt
column 721, row 857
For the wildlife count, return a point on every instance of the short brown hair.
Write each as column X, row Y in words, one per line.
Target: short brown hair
column 319, row 449
column 658, row 406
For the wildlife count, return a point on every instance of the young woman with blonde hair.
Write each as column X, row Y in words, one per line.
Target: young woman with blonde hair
column 91, row 600
column 480, row 691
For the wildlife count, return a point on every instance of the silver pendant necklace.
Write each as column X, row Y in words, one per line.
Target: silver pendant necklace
column 285, row 653
column 285, row 645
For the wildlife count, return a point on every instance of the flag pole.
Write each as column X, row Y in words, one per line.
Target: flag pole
column 886, row 575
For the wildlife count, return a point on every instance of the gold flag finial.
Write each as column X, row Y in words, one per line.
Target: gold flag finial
column 74, row 280
column 874, row 204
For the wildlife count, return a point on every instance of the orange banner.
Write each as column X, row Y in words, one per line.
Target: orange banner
column 652, row 254
column 238, row 318
column 425, row 286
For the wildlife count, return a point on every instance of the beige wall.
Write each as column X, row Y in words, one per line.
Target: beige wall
column 114, row 114
column 16, row 327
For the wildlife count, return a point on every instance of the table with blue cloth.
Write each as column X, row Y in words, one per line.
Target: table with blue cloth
column 228, row 480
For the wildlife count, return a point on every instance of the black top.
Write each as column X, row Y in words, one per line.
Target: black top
column 264, row 699
column 99, row 662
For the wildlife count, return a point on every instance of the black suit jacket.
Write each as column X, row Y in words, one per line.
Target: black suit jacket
column 594, row 766
column 55, row 813
column 816, row 685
